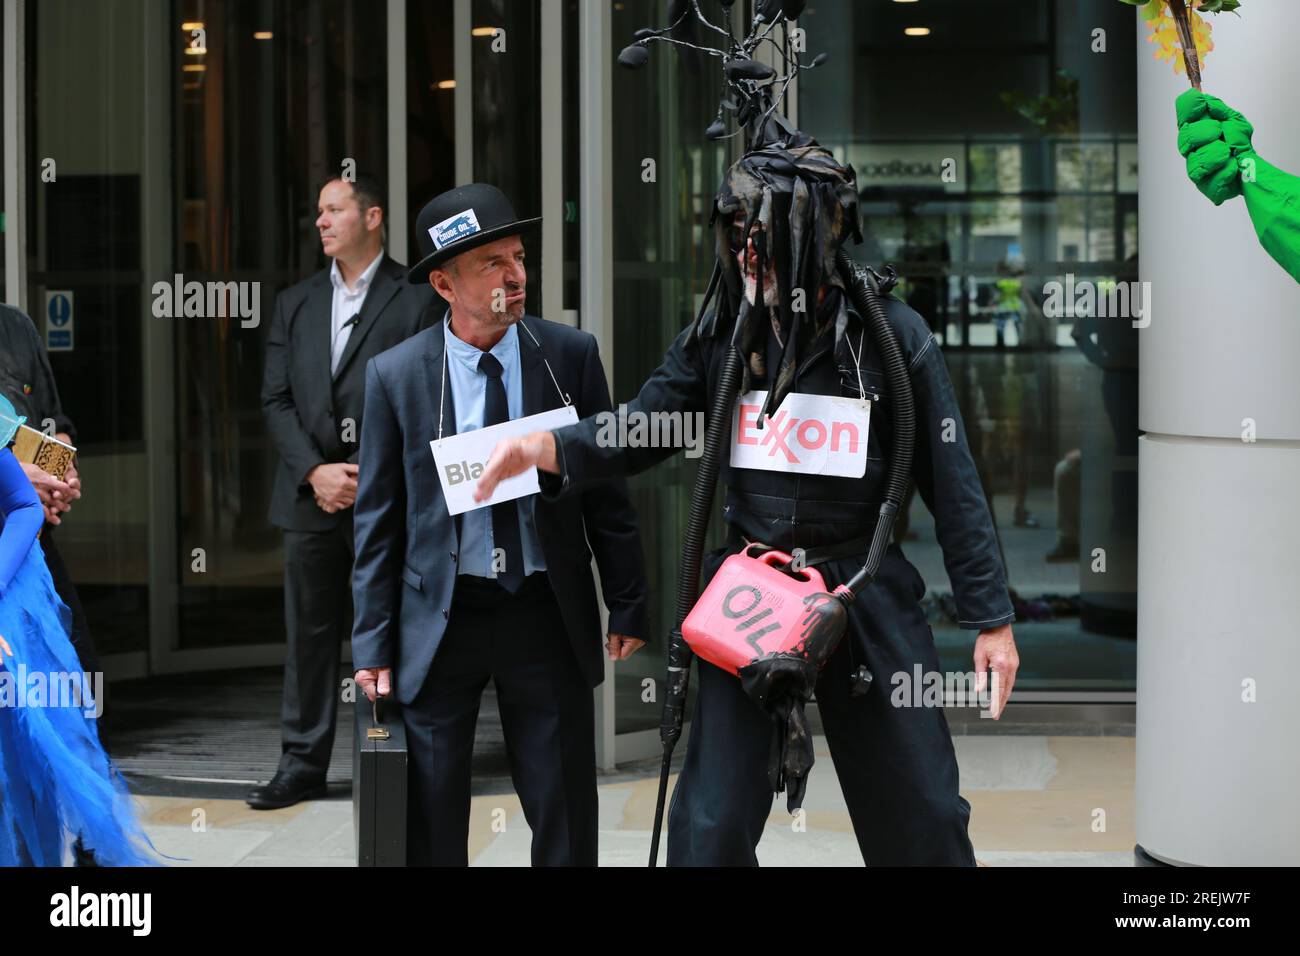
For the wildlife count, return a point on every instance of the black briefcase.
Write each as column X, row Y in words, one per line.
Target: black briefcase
column 379, row 783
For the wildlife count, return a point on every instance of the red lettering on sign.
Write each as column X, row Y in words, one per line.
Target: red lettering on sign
column 748, row 422
column 777, row 435
column 788, row 438
column 807, row 426
column 844, row 429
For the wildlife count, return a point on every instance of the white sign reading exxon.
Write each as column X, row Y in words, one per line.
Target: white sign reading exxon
column 809, row 434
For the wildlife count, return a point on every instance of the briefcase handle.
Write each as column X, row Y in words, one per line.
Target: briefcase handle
column 378, row 731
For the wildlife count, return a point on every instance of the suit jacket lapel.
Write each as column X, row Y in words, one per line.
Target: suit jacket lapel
column 437, row 386
column 316, row 316
column 382, row 289
column 437, row 391
column 539, row 393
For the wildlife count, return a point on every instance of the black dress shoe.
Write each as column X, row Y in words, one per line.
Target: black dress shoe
column 284, row 790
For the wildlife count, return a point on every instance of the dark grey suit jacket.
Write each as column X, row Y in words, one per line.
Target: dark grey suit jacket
column 314, row 418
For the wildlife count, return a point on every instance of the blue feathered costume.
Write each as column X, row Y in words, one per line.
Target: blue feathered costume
column 57, row 785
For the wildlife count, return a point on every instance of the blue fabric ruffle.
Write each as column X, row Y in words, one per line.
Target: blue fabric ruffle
column 57, row 783
column 9, row 421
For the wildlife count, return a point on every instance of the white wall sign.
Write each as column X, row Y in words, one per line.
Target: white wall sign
column 938, row 165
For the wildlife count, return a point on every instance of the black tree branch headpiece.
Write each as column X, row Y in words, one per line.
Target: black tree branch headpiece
column 749, row 82
column 787, row 193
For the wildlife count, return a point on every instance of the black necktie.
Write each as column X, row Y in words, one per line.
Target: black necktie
column 505, row 516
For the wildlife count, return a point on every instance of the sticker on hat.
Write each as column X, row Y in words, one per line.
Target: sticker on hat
column 454, row 228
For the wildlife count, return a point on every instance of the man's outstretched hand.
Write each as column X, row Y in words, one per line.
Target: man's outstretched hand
column 514, row 456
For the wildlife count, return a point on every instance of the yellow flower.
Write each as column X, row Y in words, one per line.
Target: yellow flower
column 1164, row 34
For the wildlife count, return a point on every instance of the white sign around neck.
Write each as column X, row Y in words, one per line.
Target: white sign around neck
column 808, row 435
column 460, row 459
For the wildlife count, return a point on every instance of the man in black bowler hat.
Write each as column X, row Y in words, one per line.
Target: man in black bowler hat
column 324, row 331
column 504, row 592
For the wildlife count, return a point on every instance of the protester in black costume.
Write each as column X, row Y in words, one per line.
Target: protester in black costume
column 782, row 214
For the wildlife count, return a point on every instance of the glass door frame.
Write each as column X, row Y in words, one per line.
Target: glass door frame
column 165, row 657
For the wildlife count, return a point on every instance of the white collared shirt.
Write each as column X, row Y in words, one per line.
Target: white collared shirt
column 346, row 305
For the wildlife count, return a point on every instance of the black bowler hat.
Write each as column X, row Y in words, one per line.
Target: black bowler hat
column 459, row 220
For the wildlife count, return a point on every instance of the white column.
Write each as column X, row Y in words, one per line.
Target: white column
column 1219, row 517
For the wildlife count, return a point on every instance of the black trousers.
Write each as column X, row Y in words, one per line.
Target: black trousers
column 896, row 767
column 318, row 618
column 519, row 642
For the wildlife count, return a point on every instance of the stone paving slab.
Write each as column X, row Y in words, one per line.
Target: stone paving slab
column 1035, row 801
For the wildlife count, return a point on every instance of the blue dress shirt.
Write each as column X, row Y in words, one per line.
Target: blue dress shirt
column 469, row 395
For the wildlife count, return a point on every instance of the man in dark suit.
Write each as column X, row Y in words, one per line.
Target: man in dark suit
column 325, row 330
column 501, row 593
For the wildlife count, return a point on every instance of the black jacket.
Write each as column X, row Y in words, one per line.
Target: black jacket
column 25, row 375
column 407, row 543
column 787, row 510
column 315, row 419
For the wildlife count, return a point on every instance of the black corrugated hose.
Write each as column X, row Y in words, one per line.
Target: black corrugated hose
column 862, row 292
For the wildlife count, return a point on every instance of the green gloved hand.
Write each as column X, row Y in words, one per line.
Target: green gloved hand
column 1213, row 136
column 1222, row 162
